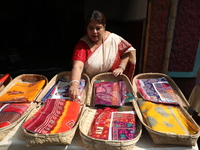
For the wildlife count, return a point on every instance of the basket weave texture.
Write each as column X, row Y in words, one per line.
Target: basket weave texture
column 63, row 138
column 163, row 138
column 21, row 78
column 89, row 113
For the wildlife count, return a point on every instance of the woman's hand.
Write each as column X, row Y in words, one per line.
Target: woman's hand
column 74, row 92
column 118, row 71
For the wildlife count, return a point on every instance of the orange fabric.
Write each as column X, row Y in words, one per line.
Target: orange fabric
column 22, row 92
column 56, row 116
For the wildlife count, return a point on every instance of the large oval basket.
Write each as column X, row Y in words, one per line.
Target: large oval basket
column 28, row 78
column 163, row 138
column 88, row 116
column 63, row 138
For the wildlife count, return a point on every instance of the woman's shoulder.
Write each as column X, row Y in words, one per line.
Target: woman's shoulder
column 114, row 35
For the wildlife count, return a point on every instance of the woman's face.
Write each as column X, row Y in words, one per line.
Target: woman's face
column 95, row 31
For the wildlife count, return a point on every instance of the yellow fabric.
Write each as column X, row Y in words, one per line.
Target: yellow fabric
column 22, row 92
column 166, row 118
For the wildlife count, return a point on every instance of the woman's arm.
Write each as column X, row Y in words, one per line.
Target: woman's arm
column 76, row 72
column 122, row 65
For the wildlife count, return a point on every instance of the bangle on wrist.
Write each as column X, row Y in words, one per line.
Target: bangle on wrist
column 122, row 66
column 74, row 81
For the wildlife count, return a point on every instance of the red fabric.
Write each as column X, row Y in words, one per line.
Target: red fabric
column 12, row 112
column 4, row 78
column 81, row 52
column 4, row 124
column 101, row 123
column 56, row 116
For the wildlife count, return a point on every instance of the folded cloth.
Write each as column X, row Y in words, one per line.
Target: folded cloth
column 122, row 126
column 113, row 124
column 111, row 93
column 49, row 93
column 157, row 90
column 166, row 118
column 10, row 113
column 22, row 92
column 126, row 95
column 55, row 116
column 101, row 123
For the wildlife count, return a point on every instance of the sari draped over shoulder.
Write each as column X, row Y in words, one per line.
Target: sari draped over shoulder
column 107, row 56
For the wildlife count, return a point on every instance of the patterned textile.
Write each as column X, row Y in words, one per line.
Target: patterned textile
column 123, row 125
column 107, row 93
column 166, row 118
column 111, row 93
column 101, row 127
column 106, row 57
column 126, row 95
column 56, row 116
column 61, row 88
column 49, row 93
column 101, row 123
column 10, row 113
column 22, row 92
column 157, row 90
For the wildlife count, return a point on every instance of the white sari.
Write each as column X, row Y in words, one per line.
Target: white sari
column 104, row 57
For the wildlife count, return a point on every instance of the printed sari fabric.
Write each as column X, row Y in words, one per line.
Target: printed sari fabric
column 106, row 57
column 166, row 118
column 108, row 124
column 56, row 116
column 111, row 93
column 9, row 113
column 60, row 90
column 123, row 125
column 101, row 123
column 22, row 92
column 157, row 90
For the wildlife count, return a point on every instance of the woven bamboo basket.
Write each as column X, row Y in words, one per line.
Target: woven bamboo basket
column 64, row 138
column 5, row 83
column 89, row 113
column 163, row 138
column 21, row 78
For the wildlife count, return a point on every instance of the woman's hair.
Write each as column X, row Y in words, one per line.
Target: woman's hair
column 95, row 15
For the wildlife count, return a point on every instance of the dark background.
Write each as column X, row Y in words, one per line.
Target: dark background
column 38, row 36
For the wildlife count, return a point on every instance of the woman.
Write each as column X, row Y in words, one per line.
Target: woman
column 100, row 51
